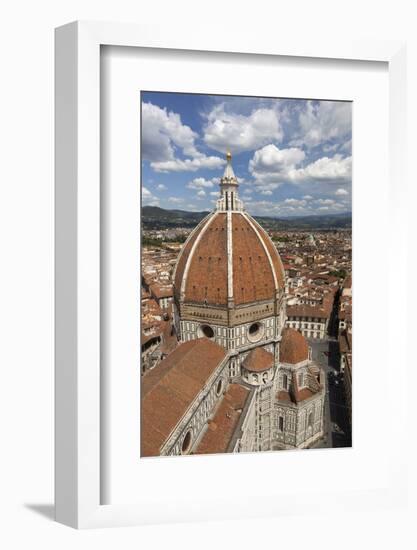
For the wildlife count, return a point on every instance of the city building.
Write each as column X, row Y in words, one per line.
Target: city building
column 238, row 380
column 311, row 320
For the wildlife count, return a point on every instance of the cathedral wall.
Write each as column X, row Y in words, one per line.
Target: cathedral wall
column 263, row 421
column 247, row 441
column 298, row 425
column 230, row 316
column 192, row 424
column 232, row 338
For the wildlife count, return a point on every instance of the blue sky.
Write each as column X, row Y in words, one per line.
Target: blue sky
column 292, row 157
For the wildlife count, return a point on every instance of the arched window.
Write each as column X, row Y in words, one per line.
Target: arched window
column 310, row 419
column 281, row 423
column 301, row 379
column 186, row 443
column 284, row 381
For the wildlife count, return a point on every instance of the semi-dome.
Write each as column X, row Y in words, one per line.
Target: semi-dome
column 293, row 347
column 228, row 259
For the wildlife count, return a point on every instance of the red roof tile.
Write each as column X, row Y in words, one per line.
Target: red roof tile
column 293, row 347
column 169, row 389
column 222, row 427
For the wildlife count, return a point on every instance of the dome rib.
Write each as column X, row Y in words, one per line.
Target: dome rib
column 229, row 243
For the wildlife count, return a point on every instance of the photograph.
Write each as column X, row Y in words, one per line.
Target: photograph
column 246, row 273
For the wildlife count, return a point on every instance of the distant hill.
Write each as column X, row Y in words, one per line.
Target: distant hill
column 317, row 221
column 154, row 217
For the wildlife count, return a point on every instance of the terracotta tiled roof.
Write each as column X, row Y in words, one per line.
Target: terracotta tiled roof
column 258, row 360
column 255, row 261
column 345, row 342
column 293, row 347
column 283, row 395
column 297, row 395
column 169, row 389
column 222, row 427
column 320, row 312
column 207, row 268
column 161, row 291
column 185, row 253
column 273, row 252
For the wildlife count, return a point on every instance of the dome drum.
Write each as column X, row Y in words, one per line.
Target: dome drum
column 258, row 367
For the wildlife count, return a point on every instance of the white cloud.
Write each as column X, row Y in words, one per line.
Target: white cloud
column 271, row 166
column 199, row 183
column 341, row 192
column 335, row 169
column 175, row 200
column 308, row 197
column 201, row 193
column 224, row 130
column 148, row 199
column 323, row 121
column 161, row 130
column 214, row 193
column 324, row 201
column 188, row 165
column 295, row 202
column 270, row 159
column 161, row 187
column 291, row 206
column 162, row 133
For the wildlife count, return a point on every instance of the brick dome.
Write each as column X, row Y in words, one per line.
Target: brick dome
column 227, row 259
column 258, row 360
column 293, row 348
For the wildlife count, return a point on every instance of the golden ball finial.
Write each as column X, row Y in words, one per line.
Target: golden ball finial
column 228, row 156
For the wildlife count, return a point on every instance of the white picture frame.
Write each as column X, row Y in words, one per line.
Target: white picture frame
column 78, row 405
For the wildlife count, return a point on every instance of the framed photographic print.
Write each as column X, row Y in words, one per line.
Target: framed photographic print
column 242, row 317
column 213, row 224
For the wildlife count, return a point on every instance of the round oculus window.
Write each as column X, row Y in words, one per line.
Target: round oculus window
column 255, row 332
column 207, row 331
column 219, row 387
